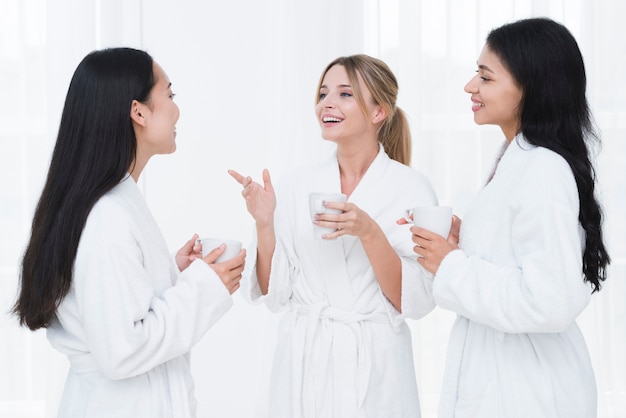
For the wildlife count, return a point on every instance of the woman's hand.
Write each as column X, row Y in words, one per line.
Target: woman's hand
column 431, row 247
column 385, row 262
column 228, row 271
column 190, row 251
column 455, row 229
column 261, row 204
column 260, row 200
column 353, row 221
column 405, row 219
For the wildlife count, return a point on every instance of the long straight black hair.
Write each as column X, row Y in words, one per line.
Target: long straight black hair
column 94, row 151
column 544, row 58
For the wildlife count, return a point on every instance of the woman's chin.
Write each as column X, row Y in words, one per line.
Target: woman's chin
column 329, row 138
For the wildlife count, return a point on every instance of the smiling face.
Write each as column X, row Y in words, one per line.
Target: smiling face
column 496, row 97
column 338, row 111
column 155, row 120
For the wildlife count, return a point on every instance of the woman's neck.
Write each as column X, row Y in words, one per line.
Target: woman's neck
column 353, row 164
column 137, row 167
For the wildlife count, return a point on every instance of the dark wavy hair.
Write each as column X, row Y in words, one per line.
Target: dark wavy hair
column 94, row 151
column 544, row 58
column 394, row 133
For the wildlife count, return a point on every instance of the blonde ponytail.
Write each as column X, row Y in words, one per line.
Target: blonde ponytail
column 395, row 136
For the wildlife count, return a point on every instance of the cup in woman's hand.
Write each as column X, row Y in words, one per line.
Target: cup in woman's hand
column 437, row 219
column 316, row 205
column 209, row 244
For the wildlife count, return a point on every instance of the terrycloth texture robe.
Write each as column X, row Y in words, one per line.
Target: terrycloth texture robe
column 131, row 317
column 343, row 350
column 517, row 286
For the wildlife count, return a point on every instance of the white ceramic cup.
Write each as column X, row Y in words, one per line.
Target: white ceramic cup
column 434, row 218
column 209, row 244
column 316, row 205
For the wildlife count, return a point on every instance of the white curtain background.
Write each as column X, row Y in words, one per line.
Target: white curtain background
column 245, row 72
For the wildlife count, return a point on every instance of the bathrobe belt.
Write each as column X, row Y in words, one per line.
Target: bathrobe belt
column 175, row 383
column 356, row 322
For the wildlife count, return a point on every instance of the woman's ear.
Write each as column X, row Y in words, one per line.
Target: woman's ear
column 137, row 113
column 379, row 115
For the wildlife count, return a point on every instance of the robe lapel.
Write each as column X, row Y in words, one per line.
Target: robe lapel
column 333, row 270
column 369, row 194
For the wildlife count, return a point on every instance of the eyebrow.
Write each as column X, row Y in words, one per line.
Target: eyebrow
column 484, row 67
column 324, row 86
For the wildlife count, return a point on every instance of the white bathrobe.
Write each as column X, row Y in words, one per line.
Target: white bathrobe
column 517, row 286
column 131, row 317
column 343, row 350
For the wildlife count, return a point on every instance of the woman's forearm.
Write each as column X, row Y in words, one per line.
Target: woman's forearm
column 386, row 265
column 266, row 242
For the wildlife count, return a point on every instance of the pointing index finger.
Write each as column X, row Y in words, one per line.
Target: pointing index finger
column 240, row 179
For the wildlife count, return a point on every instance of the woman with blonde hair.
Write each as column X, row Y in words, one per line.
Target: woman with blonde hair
column 344, row 349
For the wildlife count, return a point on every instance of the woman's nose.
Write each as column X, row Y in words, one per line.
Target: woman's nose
column 470, row 87
column 328, row 101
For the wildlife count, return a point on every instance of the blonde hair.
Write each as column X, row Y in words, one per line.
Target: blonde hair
column 394, row 133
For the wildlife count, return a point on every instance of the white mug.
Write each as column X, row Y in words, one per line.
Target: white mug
column 209, row 244
column 434, row 218
column 316, row 205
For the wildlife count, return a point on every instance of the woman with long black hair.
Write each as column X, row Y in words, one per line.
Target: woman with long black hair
column 97, row 272
column 530, row 251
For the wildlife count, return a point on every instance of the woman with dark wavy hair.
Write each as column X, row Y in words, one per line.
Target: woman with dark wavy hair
column 97, row 272
column 530, row 251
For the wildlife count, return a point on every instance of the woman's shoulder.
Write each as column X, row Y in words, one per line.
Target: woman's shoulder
column 540, row 156
column 545, row 163
column 545, row 171
column 118, row 203
column 407, row 172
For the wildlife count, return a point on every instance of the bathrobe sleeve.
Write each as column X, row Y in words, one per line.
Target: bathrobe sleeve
column 283, row 267
column 539, row 287
column 403, row 188
column 417, row 288
column 137, row 311
column 417, row 283
column 284, row 264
